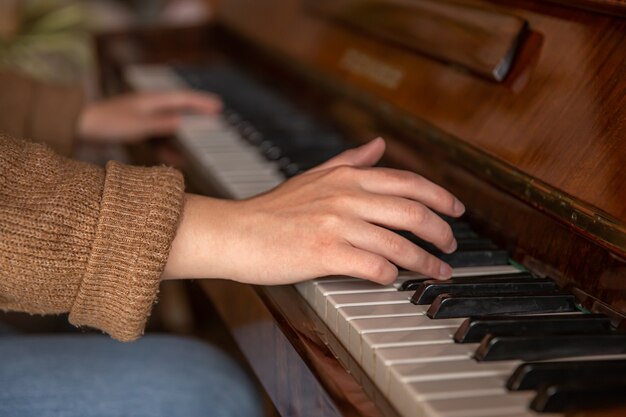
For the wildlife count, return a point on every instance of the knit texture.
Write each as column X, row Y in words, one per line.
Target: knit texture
column 85, row 240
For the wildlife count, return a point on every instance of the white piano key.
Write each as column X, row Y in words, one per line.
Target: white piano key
column 415, row 324
column 386, row 357
column 346, row 314
column 325, row 289
column 410, row 399
column 311, row 290
column 481, row 406
column 473, row 271
column 153, row 78
column 372, row 341
column 303, row 288
column 333, row 302
column 243, row 178
column 449, row 370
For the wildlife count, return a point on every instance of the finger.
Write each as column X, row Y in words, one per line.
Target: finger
column 160, row 125
column 359, row 263
column 413, row 186
column 183, row 100
column 365, row 155
column 397, row 249
column 403, row 214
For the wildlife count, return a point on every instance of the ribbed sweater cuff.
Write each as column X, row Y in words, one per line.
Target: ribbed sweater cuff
column 139, row 215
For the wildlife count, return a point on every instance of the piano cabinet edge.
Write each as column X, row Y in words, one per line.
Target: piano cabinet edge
column 537, row 241
column 301, row 364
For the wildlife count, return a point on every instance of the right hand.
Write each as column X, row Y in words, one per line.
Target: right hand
column 331, row 220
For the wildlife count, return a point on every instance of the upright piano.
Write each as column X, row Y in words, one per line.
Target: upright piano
column 519, row 108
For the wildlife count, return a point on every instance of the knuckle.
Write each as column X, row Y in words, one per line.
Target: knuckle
column 416, row 213
column 329, row 220
column 340, row 200
column 430, row 265
column 446, row 234
column 445, row 199
column 342, row 171
column 393, row 175
column 376, row 268
column 389, row 275
column 394, row 244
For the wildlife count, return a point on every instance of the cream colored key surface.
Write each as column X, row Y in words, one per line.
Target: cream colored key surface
column 386, row 357
column 310, row 294
column 346, row 314
column 448, row 370
column 362, row 327
column 411, row 396
column 472, row 271
column 370, row 342
column 410, row 385
column 333, row 302
column 480, row 406
column 406, row 275
column 325, row 289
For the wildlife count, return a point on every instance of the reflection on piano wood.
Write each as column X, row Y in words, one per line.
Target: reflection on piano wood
column 537, row 155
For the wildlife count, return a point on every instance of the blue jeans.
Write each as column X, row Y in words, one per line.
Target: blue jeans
column 93, row 375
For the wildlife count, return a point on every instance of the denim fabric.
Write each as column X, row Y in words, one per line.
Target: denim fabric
column 93, row 375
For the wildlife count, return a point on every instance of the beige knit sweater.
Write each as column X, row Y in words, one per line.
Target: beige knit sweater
column 78, row 238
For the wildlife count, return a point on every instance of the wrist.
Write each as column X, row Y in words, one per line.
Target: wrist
column 198, row 249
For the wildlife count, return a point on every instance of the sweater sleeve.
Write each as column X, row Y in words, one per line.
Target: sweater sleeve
column 81, row 239
column 38, row 111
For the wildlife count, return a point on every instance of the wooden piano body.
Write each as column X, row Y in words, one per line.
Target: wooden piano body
column 537, row 155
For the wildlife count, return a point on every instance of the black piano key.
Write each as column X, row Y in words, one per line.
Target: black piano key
column 448, row 306
column 475, row 328
column 598, row 392
column 530, row 376
column 460, row 259
column 414, row 283
column 471, row 251
column 429, row 290
column 544, row 347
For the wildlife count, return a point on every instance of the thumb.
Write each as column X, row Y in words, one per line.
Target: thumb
column 364, row 155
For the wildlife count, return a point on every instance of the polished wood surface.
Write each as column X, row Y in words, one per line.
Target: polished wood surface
column 480, row 40
column 530, row 157
column 615, row 7
column 303, row 367
column 556, row 125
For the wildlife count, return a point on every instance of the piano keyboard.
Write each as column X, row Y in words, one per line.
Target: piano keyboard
column 424, row 365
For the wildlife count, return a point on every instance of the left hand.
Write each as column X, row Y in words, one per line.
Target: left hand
column 138, row 116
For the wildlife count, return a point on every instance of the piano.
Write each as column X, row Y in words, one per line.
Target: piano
column 519, row 108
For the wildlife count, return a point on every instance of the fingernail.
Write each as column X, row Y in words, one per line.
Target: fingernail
column 445, row 271
column 459, row 208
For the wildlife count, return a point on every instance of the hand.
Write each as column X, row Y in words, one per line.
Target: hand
column 327, row 221
column 135, row 117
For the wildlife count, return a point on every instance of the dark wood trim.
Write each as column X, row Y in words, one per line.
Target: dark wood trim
column 301, row 364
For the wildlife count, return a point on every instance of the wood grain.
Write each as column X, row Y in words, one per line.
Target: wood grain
column 480, row 40
column 559, row 119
